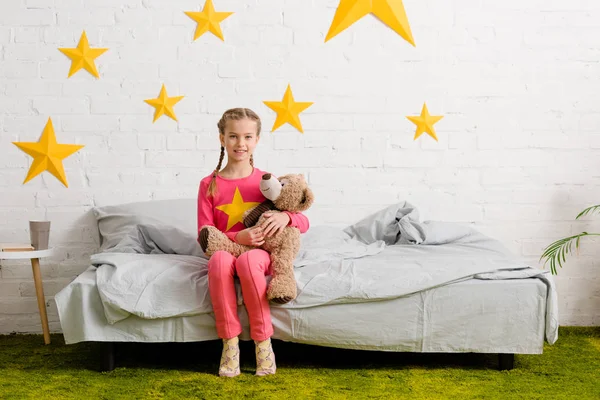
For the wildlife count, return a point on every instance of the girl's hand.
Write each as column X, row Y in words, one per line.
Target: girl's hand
column 274, row 222
column 252, row 236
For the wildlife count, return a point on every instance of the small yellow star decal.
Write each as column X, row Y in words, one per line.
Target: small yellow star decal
column 236, row 209
column 425, row 123
column 288, row 110
column 47, row 154
column 83, row 56
column 164, row 104
column 390, row 12
column 208, row 20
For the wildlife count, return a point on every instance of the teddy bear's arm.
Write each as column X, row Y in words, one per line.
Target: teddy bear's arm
column 251, row 217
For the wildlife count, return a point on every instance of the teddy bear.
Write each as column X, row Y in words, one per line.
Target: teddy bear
column 286, row 193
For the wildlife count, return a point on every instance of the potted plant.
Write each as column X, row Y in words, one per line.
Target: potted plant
column 556, row 253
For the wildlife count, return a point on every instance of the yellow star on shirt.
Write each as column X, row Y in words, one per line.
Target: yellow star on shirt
column 164, row 104
column 425, row 123
column 236, row 209
column 83, row 56
column 288, row 110
column 47, row 154
column 390, row 12
column 208, row 20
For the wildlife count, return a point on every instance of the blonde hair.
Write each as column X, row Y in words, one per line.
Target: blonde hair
column 233, row 114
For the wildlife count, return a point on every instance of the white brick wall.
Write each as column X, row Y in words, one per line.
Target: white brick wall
column 516, row 81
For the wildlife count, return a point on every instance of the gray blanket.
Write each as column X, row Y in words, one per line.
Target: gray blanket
column 158, row 271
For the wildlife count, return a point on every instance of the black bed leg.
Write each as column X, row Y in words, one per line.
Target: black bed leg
column 506, row 361
column 108, row 356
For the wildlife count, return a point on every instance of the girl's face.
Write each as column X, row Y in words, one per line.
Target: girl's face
column 240, row 139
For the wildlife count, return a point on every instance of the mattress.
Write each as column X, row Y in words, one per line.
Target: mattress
column 485, row 316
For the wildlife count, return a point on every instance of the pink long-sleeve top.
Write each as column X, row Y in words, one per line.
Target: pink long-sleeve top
column 233, row 197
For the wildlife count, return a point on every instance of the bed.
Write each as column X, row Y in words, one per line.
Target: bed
column 389, row 282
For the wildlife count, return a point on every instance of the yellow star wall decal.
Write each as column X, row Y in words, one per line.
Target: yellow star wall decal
column 83, row 56
column 288, row 110
column 236, row 209
column 425, row 123
column 208, row 20
column 390, row 12
column 163, row 104
column 47, row 154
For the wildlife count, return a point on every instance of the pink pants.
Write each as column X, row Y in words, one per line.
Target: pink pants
column 251, row 267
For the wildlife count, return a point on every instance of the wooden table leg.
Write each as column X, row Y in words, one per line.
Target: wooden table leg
column 39, row 292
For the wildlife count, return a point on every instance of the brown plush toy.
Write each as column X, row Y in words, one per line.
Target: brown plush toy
column 288, row 193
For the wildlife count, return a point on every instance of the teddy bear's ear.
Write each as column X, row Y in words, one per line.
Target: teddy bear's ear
column 307, row 199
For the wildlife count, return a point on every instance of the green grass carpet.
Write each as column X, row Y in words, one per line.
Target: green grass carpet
column 570, row 369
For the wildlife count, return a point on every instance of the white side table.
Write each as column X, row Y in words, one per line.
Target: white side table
column 35, row 256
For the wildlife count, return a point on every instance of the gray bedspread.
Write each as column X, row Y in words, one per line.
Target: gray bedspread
column 158, row 271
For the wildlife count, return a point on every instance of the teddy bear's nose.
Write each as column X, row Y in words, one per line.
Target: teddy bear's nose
column 266, row 177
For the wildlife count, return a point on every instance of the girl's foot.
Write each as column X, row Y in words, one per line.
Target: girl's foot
column 265, row 358
column 230, row 358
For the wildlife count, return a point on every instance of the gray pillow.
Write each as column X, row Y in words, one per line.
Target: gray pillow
column 116, row 220
column 396, row 224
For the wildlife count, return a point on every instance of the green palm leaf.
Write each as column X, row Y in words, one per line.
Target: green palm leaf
column 556, row 253
column 589, row 210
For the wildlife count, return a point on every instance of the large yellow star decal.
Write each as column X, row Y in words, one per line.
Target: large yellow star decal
column 236, row 209
column 288, row 110
column 208, row 20
column 47, row 154
column 83, row 56
column 425, row 123
column 390, row 12
column 163, row 104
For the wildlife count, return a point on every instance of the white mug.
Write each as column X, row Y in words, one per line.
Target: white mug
column 39, row 232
